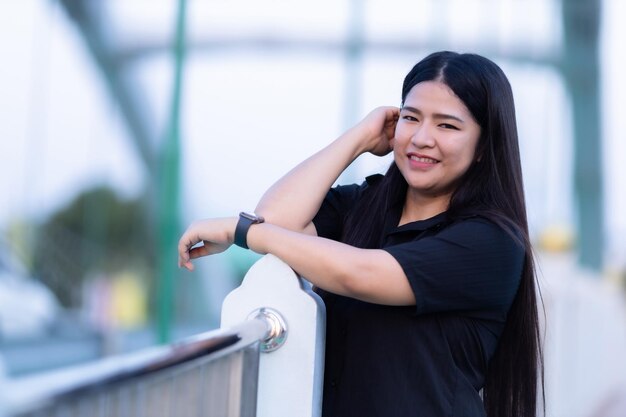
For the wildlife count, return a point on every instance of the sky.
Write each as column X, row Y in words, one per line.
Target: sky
column 249, row 116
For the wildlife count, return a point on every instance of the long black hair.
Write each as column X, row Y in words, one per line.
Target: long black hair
column 492, row 187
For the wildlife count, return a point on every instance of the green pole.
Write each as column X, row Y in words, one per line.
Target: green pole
column 168, row 191
column 581, row 70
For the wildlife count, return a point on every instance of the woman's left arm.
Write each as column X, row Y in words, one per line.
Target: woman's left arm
column 371, row 275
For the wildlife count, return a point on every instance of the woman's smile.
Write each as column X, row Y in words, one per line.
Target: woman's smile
column 419, row 161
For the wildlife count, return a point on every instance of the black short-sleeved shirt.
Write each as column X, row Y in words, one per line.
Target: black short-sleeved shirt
column 429, row 359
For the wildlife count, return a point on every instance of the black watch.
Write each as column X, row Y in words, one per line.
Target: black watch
column 241, row 231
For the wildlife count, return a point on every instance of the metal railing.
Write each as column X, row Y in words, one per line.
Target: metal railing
column 273, row 353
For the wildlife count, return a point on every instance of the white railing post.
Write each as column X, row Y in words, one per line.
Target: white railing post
column 291, row 373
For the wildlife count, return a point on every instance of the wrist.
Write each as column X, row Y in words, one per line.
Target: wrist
column 357, row 138
column 230, row 231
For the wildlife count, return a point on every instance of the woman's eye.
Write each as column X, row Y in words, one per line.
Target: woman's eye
column 409, row 118
column 448, row 126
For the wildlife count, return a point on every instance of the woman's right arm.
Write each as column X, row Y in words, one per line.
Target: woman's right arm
column 293, row 201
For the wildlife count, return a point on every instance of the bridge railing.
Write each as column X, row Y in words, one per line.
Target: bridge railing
column 266, row 360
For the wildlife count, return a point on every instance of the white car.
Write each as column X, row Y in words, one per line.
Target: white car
column 27, row 307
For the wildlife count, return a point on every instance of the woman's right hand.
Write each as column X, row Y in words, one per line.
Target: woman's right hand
column 377, row 130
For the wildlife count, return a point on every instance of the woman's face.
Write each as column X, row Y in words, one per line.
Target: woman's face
column 435, row 141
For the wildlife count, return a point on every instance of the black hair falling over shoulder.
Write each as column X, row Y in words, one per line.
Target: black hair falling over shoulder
column 366, row 221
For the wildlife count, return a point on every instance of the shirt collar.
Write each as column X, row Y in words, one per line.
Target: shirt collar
column 393, row 218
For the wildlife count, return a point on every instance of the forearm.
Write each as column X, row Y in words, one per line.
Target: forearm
column 371, row 275
column 293, row 201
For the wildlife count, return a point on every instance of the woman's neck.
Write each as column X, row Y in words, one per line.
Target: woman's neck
column 419, row 207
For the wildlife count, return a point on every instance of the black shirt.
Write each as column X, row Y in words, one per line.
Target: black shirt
column 429, row 359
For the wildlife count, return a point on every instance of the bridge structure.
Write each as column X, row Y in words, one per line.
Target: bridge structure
column 573, row 54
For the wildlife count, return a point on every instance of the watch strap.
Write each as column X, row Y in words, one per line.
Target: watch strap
column 243, row 225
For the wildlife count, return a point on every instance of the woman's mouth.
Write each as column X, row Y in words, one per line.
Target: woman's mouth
column 423, row 159
column 421, row 162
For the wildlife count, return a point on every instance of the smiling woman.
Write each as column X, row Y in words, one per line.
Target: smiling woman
column 426, row 272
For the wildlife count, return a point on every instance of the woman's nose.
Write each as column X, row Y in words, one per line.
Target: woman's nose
column 423, row 136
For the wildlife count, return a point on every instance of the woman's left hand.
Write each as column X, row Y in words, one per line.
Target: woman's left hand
column 216, row 236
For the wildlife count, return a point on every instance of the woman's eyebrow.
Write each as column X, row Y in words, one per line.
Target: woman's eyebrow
column 435, row 115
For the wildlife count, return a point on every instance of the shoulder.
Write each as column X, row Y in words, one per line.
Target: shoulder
column 473, row 242
column 481, row 229
column 469, row 263
column 469, row 237
column 484, row 243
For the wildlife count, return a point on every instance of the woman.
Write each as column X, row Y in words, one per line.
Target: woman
column 427, row 272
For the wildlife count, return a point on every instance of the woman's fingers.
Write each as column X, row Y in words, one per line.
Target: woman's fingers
column 184, row 244
column 186, row 251
column 207, row 248
column 187, row 265
column 215, row 235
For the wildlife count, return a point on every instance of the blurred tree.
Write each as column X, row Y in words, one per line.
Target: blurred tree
column 97, row 232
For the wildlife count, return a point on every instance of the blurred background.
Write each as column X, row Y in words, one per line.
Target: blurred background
column 121, row 121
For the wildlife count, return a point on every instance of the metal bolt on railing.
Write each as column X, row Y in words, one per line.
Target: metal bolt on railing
column 277, row 328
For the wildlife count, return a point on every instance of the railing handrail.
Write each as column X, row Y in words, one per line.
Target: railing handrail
column 267, row 360
column 31, row 393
